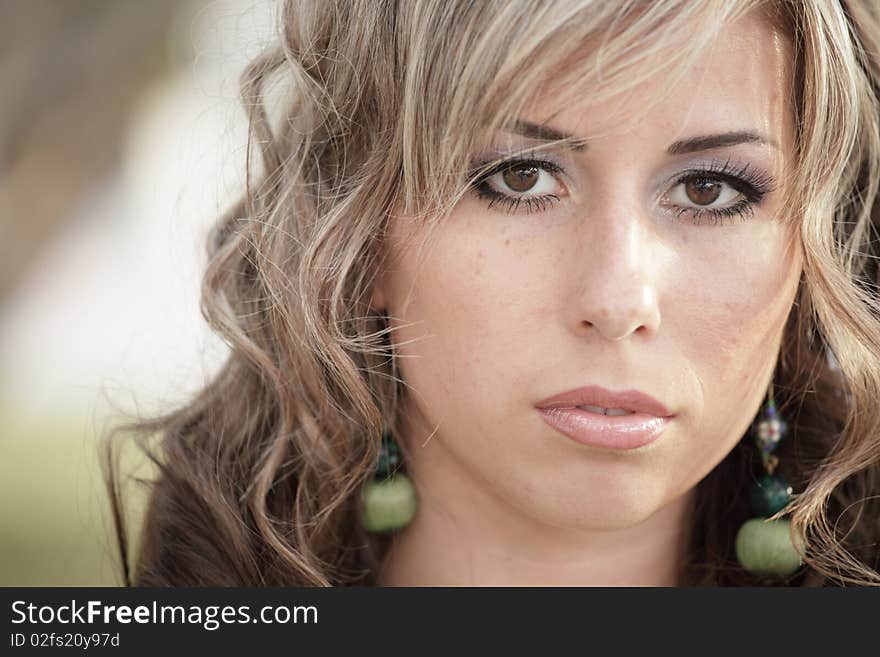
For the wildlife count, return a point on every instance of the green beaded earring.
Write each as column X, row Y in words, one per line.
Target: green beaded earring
column 764, row 547
column 389, row 501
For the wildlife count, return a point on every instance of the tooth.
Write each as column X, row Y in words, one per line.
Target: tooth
column 605, row 411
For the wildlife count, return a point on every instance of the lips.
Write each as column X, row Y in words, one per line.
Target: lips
column 598, row 417
column 633, row 401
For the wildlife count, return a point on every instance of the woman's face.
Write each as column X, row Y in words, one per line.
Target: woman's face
column 609, row 271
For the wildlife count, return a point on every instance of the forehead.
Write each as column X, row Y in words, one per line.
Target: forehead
column 743, row 81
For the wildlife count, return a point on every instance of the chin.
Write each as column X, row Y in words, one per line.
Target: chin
column 589, row 509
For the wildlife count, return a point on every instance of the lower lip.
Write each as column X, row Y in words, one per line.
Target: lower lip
column 608, row 431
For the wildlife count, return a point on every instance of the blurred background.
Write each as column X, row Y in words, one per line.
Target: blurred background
column 121, row 140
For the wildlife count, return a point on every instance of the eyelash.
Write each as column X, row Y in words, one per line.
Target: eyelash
column 752, row 185
column 512, row 203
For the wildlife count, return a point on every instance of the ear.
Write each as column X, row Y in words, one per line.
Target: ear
column 381, row 292
column 377, row 298
column 378, row 295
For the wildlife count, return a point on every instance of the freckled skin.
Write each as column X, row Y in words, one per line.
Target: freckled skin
column 602, row 288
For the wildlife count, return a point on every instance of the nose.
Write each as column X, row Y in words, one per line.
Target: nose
column 618, row 291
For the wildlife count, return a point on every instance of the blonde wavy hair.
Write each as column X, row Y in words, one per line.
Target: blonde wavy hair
column 382, row 105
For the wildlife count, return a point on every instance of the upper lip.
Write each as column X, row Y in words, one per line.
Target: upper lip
column 630, row 400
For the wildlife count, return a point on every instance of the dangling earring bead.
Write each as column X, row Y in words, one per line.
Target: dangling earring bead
column 389, row 501
column 765, row 547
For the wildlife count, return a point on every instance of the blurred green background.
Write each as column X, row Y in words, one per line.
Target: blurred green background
column 121, row 139
column 55, row 527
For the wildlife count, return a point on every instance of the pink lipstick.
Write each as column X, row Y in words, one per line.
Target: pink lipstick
column 598, row 417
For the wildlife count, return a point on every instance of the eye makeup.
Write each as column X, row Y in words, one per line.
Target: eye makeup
column 748, row 183
column 482, row 184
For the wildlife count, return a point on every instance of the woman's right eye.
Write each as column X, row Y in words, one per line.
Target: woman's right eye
column 514, row 183
column 523, row 179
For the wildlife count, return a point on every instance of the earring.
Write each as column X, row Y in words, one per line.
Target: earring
column 388, row 501
column 765, row 547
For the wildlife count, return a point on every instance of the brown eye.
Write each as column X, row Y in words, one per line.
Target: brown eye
column 703, row 191
column 527, row 183
column 521, row 179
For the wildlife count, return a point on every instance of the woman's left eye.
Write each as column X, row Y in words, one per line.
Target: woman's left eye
column 528, row 183
column 719, row 195
column 703, row 193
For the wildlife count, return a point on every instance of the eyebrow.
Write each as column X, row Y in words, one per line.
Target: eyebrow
column 720, row 140
column 542, row 132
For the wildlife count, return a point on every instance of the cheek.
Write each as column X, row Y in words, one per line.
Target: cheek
column 731, row 323
column 728, row 331
column 470, row 306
